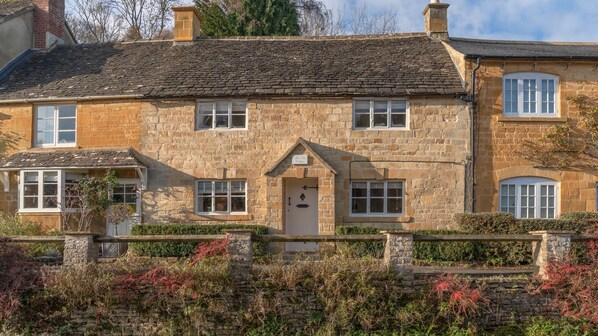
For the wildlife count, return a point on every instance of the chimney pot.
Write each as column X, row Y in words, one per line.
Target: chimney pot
column 186, row 24
column 436, row 19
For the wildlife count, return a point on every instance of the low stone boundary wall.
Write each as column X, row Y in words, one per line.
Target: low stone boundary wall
column 510, row 301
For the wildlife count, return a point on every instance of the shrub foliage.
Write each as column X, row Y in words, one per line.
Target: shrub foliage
column 185, row 249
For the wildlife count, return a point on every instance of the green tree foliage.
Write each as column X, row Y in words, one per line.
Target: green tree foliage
column 249, row 18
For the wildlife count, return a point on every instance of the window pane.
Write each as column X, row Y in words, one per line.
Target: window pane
column 380, row 106
column 221, row 204
column 67, row 124
column 362, row 106
column 238, row 121
column 395, row 189
column 398, row 120
column 205, row 204
column 377, row 205
column 362, row 120
column 66, row 137
column 359, row 206
column 222, row 121
column 204, row 187
column 65, row 111
column 222, row 108
column 237, row 187
column 45, row 125
column 221, row 188
column 394, row 205
column 205, row 108
column 360, row 189
column 376, row 189
column 31, row 177
column 118, row 198
column 130, row 198
column 239, row 108
column 45, row 112
column 380, row 119
column 205, row 121
column 30, row 202
column 398, row 106
column 237, row 204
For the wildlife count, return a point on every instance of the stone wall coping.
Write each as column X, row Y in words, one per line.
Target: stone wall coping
column 239, row 231
column 81, row 234
column 554, row 232
column 396, row 232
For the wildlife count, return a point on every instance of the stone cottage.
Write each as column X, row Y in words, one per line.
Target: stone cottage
column 297, row 133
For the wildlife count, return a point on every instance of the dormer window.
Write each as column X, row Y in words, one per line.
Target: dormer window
column 55, row 126
column 221, row 115
column 530, row 95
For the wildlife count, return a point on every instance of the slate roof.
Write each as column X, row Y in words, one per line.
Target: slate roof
column 395, row 65
column 13, row 6
column 80, row 158
column 523, row 49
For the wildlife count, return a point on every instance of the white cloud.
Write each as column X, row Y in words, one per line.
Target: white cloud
column 548, row 20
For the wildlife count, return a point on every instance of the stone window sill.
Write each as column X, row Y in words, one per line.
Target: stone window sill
column 532, row 119
column 404, row 219
column 222, row 218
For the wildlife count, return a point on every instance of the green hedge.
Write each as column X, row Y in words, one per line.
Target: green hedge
column 185, row 249
column 498, row 254
column 518, row 253
column 427, row 251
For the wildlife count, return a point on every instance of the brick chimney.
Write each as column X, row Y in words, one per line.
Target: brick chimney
column 186, row 24
column 436, row 19
column 49, row 23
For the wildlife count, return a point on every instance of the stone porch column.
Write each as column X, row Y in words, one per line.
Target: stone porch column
column 555, row 246
column 398, row 253
column 79, row 249
column 240, row 251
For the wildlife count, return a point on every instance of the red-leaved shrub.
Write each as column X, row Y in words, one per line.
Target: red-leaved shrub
column 575, row 286
column 457, row 297
column 16, row 278
column 169, row 280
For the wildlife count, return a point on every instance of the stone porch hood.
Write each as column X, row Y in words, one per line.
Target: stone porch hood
column 73, row 159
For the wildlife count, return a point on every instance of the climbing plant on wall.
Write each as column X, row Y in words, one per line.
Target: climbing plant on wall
column 572, row 145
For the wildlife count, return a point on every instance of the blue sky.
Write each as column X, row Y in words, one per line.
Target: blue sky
column 536, row 20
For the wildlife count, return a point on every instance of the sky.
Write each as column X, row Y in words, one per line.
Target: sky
column 532, row 20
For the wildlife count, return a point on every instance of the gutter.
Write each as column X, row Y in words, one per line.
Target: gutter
column 534, row 58
column 472, row 114
column 67, row 99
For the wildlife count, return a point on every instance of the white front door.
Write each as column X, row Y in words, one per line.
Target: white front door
column 301, row 217
column 126, row 192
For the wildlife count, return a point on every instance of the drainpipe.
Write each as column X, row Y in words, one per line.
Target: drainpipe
column 472, row 112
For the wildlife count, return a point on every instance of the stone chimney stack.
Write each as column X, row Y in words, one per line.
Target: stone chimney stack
column 436, row 19
column 186, row 24
column 48, row 23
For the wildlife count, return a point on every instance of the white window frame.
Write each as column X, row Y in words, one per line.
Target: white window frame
column 230, row 115
column 520, row 77
column 369, row 214
column 56, row 130
column 537, row 182
column 228, row 196
column 137, row 183
column 388, row 112
column 40, row 191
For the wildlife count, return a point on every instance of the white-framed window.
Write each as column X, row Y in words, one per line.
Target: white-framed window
column 380, row 114
column 377, row 198
column 55, row 125
column 221, row 115
column 529, row 197
column 47, row 190
column 530, row 95
column 220, row 197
